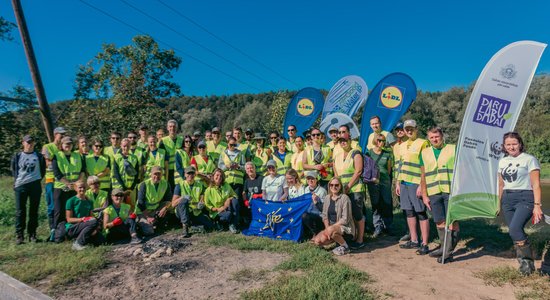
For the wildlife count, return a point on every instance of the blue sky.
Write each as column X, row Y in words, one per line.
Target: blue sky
column 440, row 44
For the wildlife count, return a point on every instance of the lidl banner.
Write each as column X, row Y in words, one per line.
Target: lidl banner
column 346, row 96
column 278, row 220
column 493, row 109
column 303, row 110
column 390, row 99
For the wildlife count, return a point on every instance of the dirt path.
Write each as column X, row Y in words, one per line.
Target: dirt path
column 401, row 274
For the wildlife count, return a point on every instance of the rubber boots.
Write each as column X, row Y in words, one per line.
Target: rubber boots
column 437, row 252
column 448, row 245
column 525, row 258
column 456, row 238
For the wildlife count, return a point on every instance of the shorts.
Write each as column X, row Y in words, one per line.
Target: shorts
column 357, row 204
column 408, row 199
column 439, row 203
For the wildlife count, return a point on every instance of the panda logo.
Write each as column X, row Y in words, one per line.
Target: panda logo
column 496, row 148
column 510, row 173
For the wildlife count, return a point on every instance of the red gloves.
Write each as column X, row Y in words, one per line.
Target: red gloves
column 246, row 203
column 117, row 221
column 133, row 216
column 323, row 172
column 85, row 219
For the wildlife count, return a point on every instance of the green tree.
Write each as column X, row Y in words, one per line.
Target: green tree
column 5, row 29
column 195, row 119
column 278, row 111
column 251, row 117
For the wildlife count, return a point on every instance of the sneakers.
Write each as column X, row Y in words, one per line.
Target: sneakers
column 135, row 240
column 409, row 245
column 52, row 236
column 405, row 238
column 423, row 250
column 20, row 240
column 185, row 231
column 233, row 229
column 78, row 247
column 341, row 250
column 377, row 232
column 355, row 245
column 33, row 238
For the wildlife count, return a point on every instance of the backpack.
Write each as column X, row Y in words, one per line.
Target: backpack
column 370, row 173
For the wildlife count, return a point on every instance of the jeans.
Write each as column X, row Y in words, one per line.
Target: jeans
column 83, row 231
column 381, row 201
column 60, row 199
column 313, row 223
column 517, row 206
column 49, row 203
column 122, row 231
column 31, row 191
column 231, row 214
column 187, row 217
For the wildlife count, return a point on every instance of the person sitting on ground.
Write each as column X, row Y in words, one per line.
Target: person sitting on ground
column 272, row 184
column 118, row 222
column 188, row 200
column 338, row 220
column 81, row 225
column 154, row 202
column 292, row 188
column 221, row 201
column 311, row 219
column 99, row 198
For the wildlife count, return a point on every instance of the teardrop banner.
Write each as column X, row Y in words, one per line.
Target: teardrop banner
column 390, row 99
column 346, row 96
column 337, row 120
column 303, row 110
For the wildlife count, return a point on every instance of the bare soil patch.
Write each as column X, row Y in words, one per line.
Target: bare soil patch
column 169, row 267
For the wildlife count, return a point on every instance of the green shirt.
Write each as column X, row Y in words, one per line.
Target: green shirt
column 436, row 154
column 382, row 164
column 80, row 208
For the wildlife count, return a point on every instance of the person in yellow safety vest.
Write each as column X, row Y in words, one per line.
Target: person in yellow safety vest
column 282, row 157
column 344, row 132
column 221, row 201
column 436, row 167
column 137, row 151
column 154, row 157
column 376, row 126
column 119, row 222
column 196, row 137
column 400, row 138
column 348, row 165
column 142, row 141
column 202, row 162
column 99, row 198
column 216, row 146
column 409, row 190
column 333, row 132
column 48, row 151
column 188, row 200
column 242, row 145
column 319, row 157
column 273, row 138
column 292, row 134
column 261, row 154
column 154, row 202
column 297, row 159
column 183, row 158
column 110, row 151
column 170, row 144
column 99, row 165
column 232, row 163
column 159, row 134
column 68, row 168
column 125, row 170
column 248, row 136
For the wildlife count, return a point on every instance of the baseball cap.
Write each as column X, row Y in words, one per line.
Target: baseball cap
column 248, row 130
column 271, row 163
column 197, row 133
column 409, row 123
column 117, row 191
column 156, row 169
column 216, row 129
column 399, row 125
column 190, row 169
column 27, row 138
column 59, row 130
column 67, row 140
column 201, row 144
column 311, row 173
column 332, row 128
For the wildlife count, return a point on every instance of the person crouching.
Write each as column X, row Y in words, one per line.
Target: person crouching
column 118, row 222
column 154, row 201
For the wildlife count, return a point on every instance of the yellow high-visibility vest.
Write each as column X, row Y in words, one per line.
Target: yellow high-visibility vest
column 439, row 173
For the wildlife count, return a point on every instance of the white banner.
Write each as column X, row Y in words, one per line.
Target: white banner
column 346, row 96
column 493, row 109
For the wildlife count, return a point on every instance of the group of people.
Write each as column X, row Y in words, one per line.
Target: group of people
column 142, row 182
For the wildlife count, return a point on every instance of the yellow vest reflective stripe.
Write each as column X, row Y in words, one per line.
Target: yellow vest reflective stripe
column 128, row 180
column 153, row 196
column 154, row 160
column 95, row 167
column 233, row 176
column 410, row 160
column 397, row 160
column 327, row 157
column 282, row 167
column 123, row 213
column 204, row 167
column 297, row 163
column 439, row 174
column 194, row 193
column 170, row 146
column 185, row 162
column 345, row 166
column 71, row 168
column 52, row 150
column 216, row 196
column 260, row 161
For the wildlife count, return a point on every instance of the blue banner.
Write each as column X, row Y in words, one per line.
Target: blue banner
column 303, row 110
column 346, row 96
column 390, row 99
column 278, row 220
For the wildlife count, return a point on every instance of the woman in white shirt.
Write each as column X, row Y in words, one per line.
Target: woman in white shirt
column 292, row 187
column 520, row 195
column 272, row 184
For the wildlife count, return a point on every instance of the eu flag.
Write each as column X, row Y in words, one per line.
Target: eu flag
column 278, row 220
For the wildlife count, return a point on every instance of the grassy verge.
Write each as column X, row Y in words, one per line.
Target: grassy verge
column 529, row 287
column 319, row 275
column 545, row 171
column 32, row 263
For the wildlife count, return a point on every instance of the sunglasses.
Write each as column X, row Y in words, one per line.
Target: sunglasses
column 187, row 141
column 342, row 132
column 289, row 130
column 334, row 185
column 233, row 145
column 315, row 134
column 272, row 137
column 115, row 138
column 119, row 195
column 202, row 147
column 381, row 140
column 98, row 146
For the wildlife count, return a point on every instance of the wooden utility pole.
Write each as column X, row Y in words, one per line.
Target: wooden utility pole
column 33, row 66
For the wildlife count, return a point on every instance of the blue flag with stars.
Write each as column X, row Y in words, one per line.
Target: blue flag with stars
column 278, row 220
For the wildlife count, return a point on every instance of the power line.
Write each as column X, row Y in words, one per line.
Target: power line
column 226, row 42
column 169, row 45
column 196, row 43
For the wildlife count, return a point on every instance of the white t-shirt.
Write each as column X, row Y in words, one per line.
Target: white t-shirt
column 273, row 187
column 295, row 192
column 515, row 171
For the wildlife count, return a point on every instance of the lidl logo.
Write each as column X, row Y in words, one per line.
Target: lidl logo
column 391, row 97
column 305, row 107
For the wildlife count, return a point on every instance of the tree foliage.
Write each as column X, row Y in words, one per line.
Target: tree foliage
column 5, row 29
